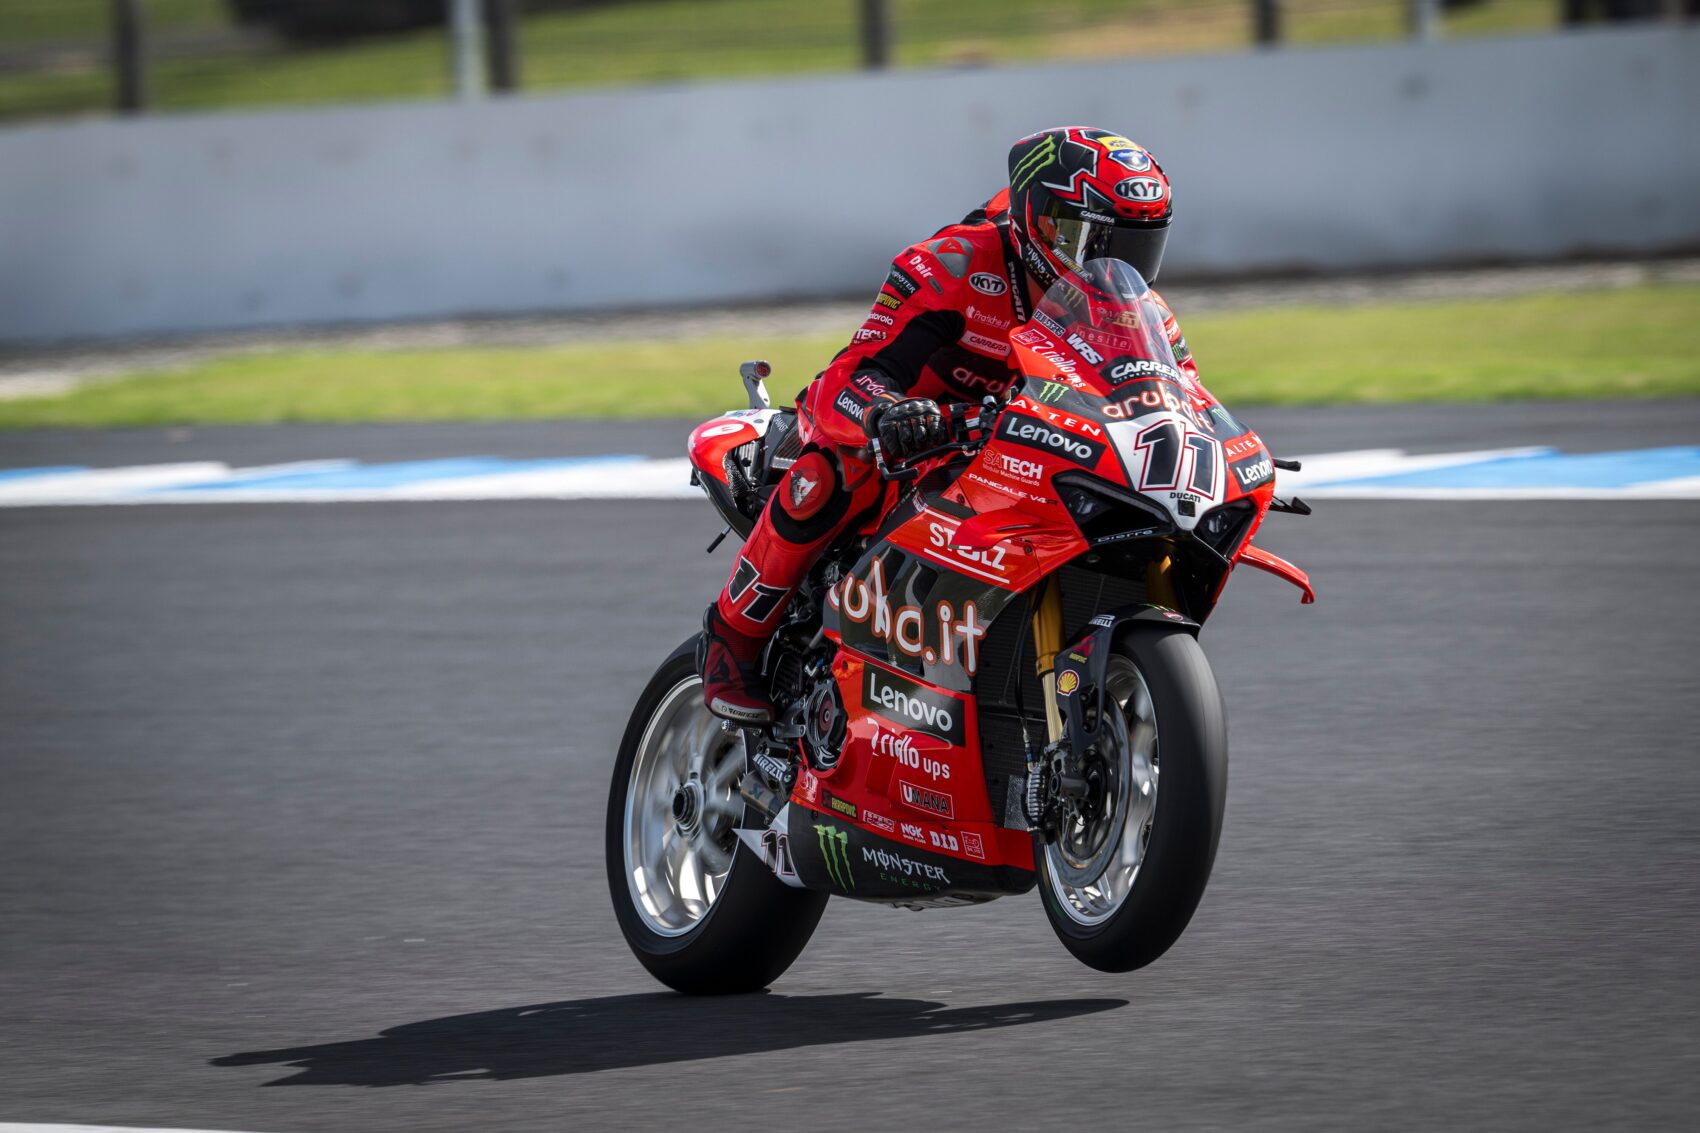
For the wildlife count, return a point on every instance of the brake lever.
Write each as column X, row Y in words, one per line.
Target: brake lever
column 904, row 469
column 877, row 451
column 910, row 467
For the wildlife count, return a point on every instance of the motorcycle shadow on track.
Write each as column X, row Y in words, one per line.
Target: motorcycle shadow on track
column 585, row 1036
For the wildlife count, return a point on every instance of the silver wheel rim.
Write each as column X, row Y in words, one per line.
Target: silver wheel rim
column 1094, row 863
column 676, row 865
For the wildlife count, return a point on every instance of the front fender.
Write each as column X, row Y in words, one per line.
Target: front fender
column 1080, row 668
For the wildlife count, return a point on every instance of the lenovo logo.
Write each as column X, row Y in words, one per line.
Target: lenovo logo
column 1033, row 433
column 908, row 704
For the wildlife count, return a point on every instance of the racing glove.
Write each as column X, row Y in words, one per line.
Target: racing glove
column 907, row 427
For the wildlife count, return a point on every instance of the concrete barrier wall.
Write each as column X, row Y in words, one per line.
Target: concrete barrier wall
column 1319, row 159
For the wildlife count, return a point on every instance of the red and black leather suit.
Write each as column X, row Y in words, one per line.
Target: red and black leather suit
column 938, row 329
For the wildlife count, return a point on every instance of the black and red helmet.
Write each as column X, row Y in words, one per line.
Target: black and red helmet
column 1078, row 194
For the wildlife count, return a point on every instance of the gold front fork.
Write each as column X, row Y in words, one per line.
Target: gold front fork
column 1047, row 643
column 1048, row 629
column 1159, row 585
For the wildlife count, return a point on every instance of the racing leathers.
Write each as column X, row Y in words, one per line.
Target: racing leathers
column 939, row 328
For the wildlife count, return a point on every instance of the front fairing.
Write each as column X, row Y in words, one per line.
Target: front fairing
column 1101, row 355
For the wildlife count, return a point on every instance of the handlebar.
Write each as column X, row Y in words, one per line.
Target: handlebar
column 971, row 425
column 970, row 432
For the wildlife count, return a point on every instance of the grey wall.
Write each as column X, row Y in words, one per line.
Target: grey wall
column 1323, row 159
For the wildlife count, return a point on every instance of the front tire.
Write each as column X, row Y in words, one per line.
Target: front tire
column 701, row 912
column 1119, row 888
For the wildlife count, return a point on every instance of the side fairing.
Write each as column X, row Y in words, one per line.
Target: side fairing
column 922, row 599
column 836, row 854
column 903, row 816
column 915, row 616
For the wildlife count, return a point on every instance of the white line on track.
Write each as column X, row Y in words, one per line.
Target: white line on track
column 1524, row 473
column 31, row 1127
column 135, row 484
column 1332, row 466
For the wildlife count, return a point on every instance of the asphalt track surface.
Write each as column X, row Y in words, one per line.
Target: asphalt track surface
column 300, row 826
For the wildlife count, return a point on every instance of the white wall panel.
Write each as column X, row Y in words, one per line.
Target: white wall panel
column 1407, row 154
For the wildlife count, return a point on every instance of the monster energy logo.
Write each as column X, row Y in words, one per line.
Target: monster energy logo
column 835, row 848
column 1051, row 392
column 1033, row 161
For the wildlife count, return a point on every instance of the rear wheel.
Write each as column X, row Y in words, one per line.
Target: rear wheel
column 1127, row 870
column 699, row 910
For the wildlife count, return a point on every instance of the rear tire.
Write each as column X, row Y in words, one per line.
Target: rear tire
column 752, row 926
column 1117, row 927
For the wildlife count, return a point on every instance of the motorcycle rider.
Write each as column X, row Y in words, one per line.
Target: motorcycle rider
column 938, row 331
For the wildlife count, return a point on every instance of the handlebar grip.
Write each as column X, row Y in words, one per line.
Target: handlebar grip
column 965, row 434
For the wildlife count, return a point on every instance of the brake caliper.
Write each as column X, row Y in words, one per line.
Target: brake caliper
column 1058, row 789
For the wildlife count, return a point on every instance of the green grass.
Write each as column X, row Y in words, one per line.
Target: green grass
column 680, row 40
column 1638, row 342
column 1642, row 342
column 69, row 21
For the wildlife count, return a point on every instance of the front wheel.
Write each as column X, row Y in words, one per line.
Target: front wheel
column 1126, row 871
column 699, row 910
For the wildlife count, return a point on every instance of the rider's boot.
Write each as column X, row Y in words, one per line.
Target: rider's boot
column 730, row 664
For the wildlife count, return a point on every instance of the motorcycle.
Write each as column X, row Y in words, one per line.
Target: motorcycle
column 994, row 685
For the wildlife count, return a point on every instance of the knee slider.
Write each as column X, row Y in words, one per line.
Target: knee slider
column 810, row 499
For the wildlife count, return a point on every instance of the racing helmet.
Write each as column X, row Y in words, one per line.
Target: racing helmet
column 1077, row 194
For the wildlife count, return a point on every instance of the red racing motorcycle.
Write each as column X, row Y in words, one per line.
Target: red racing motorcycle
column 996, row 685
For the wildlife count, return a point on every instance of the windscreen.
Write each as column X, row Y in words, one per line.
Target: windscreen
column 1115, row 313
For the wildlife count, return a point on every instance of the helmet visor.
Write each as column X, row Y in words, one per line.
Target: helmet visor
column 1077, row 240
